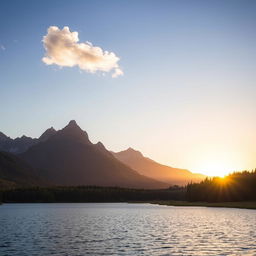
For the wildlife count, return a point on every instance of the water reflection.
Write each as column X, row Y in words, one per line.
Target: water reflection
column 125, row 229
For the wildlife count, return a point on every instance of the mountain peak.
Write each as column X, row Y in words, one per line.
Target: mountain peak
column 3, row 136
column 47, row 134
column 133, row 150
column 72, row 123
column 100, row 144
column 73, row 130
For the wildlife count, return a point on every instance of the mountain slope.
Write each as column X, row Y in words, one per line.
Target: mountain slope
column 17, row 145
column 146, row 166
column 15, row 172
column 22, row 144
column 47, row 134
column 69, row 158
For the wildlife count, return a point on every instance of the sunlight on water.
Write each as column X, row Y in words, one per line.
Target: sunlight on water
column 125, row 229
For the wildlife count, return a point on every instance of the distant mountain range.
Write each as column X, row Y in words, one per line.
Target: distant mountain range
column 146, row 166
column 22, row 144
column 68, row 158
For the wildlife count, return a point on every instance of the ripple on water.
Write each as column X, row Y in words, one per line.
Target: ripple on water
column 125, row 229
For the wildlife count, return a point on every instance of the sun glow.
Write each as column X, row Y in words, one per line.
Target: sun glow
column 216, row 169
column 216, row 162
column 223, row 180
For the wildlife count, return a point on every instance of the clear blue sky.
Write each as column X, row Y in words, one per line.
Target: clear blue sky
column 188, row 94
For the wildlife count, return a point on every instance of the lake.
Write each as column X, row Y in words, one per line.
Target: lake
column 124, row 229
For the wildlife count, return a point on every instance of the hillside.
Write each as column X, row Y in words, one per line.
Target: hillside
column 14, row 172
column 150, row 168
column 69, row 158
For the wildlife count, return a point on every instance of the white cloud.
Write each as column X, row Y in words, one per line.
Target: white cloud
column 63, row 49
column 2, row 47
column 118, row 72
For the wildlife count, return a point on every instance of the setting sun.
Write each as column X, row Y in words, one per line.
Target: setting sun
column 219, row 169
column 216, row 161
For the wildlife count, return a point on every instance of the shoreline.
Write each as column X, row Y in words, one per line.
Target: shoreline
column 240, row 205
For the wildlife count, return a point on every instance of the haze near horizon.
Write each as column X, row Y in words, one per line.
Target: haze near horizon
column 172, row 79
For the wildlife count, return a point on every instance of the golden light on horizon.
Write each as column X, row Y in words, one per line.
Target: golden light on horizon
column 216, row 168
column 219, row 162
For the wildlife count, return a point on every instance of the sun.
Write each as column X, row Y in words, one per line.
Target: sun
column 216, row 170
column 219, row 169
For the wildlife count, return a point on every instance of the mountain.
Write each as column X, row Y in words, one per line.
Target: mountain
column 3, row 137
column 68, row 157
column 146, row 166
column 15, row 172
column 17, row 145
column 22, row 144
column 47, row 134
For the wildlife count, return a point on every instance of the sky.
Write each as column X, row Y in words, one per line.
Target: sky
column 177, row 82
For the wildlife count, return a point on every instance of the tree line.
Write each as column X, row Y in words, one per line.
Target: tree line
column 238, row 186
column 84, row 194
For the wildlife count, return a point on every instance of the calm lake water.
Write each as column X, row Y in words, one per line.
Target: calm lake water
column 125, row 229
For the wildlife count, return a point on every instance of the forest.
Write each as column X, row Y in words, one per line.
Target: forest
column 238, row 186
column 89, row 194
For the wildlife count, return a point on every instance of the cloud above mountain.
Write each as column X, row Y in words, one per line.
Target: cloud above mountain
column 63, row 49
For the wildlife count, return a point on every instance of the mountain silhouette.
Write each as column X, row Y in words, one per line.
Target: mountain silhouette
column 47, row 134
column 15, row 172
column 68, row 158
column 146, row 166
column 22, row 144
column 17, row 145
column 3, row 137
